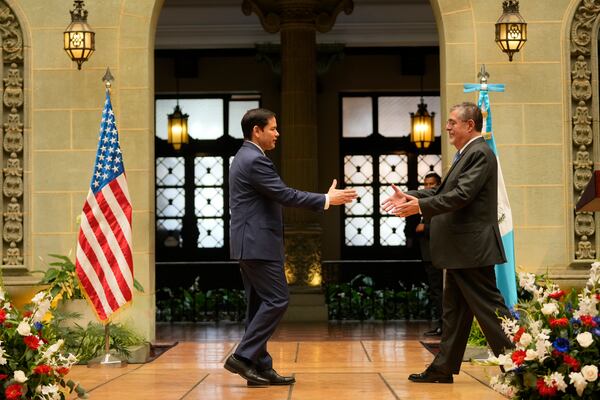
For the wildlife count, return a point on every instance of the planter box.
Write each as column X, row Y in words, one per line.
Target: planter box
column 475, row 352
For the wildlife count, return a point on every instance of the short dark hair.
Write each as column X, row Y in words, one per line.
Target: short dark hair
column 256, row 117
column 467, row 111
column 434, row 175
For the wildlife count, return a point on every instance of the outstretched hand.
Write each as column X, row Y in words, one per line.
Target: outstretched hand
column 400, row 203
column 340, row 196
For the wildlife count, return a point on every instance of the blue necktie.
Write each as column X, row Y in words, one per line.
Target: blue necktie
column 456, row 158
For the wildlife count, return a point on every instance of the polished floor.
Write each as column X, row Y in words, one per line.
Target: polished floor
column 330, row 361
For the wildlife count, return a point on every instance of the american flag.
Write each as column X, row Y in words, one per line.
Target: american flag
column 104, row 262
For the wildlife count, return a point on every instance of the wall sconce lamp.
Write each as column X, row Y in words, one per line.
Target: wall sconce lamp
column 422, row 134
column 511, row 29
column 79, row 37
column 177, row 128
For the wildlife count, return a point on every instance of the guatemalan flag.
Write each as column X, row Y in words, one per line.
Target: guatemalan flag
column 104, row 262
column 505, row 273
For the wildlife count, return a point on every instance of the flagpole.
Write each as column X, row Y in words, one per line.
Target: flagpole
column 107, row 360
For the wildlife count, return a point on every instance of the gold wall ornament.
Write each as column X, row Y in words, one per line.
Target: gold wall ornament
column 79, row 39
column 303, row 257
column 511, row 29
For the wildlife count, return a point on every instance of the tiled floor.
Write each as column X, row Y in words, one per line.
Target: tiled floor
column 347, row 361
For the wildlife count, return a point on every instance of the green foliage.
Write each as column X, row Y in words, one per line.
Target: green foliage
column 476, row 337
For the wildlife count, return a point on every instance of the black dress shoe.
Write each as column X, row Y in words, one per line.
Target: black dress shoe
column 434, row 332
column 429, row 376
column 245, row 370
column 274, row 378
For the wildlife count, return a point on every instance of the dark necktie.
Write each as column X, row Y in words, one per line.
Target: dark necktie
column 456, row 158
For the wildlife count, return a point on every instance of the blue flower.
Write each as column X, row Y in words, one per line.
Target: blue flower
column 596, row 331
column 38, row 325
column 576, row 322
column 597, row 320
column 561, row 344
column 515, row 314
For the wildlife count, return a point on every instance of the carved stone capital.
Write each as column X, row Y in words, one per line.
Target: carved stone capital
column 303, row 255
column 320, row 14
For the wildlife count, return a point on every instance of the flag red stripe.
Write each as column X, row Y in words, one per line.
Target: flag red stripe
column 89, row 289
column 127, row 210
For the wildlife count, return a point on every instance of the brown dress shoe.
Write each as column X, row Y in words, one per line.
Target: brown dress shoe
column 245, row 370
column 274, row 378
column 429, row 376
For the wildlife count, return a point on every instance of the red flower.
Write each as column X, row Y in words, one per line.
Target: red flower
column 2, row 315
column 3, row 377
column 571, row 362
column 557, row 295
column 62, row 370
column 13, row 392
column 33, row 342
column 518, row 357
column 545, row 391
column 42, row 369
column 27, row 314
column 587, row 320
column 559, row 322
column 518, row 334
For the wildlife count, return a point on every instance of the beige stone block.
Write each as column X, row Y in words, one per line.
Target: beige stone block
column 103, row 13
column 86, row 128
column 486, row 11
column 51, row 130
column 51, row 212
column 77, row 201
column 487, row 49
column 134, row 68
column 52, row 89
column 543, row 123
column 134, row 31
column 143, row 228
column 458, row 27
column 507, row 121
column 455, row 94
column 546, row 206
column 137, row 148
column 543, row 42
column 540, row 248
column 141, row 188
column 88, row 88
column 49, row 52
column 105, row 54
column 135, row 109
column 529, row 83
column 517, row 200
column 42, row 14
column 73, row 170
column 448, row 6
column 59, row 243
column 143, row 8
column 460, row 59
column 532, row 165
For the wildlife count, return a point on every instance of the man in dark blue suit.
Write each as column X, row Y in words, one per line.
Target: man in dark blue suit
column 256, row 197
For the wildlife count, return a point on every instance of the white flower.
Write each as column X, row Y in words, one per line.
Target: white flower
column 505, row 361
column 2, row 295
column 585, row 339
column 24, row 328
column 2, row 354
column 38, row 297
column 531, row 355
column 525, row 339
column 20, row 376
column 557, row 380
column 578, row 381
column 527, row 281
column 53, row 348
column 594, row 274
column 42, row 309
column 549, row 309
column 590, row 373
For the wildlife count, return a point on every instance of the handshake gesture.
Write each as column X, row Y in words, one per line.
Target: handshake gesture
column 340, row 196
column 401, row 204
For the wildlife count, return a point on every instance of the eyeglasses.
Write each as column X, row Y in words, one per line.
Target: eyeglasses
column 453, row 123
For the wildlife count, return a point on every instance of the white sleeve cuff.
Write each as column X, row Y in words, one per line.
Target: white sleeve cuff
column 326, row 202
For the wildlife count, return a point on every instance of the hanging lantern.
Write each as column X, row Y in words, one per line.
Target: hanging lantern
column 177, row 128
column 511, row 29
column 79, row 37
column 422, row 134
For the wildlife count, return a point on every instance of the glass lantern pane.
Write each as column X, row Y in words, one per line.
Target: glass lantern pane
column 210, row 233
column 363, row 205
column 205, row 120
column 357, row 117
column 429, row 163
column 208, row 171
column 393, row 168
column 358, row 231
column 391, row 231
column 209, row 202
column 170, row 202
column 168, row 232
column 237, row 109
column 358, row 169
column 170, row 171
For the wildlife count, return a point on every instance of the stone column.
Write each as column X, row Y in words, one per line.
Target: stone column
column 298, row 22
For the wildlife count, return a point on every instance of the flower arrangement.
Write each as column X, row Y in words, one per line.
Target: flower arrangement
column 557, row 342
column 31, row 364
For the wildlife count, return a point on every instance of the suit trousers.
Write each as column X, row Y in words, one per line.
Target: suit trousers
column 435, row 277
column 470, row 292
column 267, row 296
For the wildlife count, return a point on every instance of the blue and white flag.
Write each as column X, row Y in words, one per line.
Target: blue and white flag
column 505, row 273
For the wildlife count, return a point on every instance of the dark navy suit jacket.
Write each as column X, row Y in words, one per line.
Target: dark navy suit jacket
column 256, row 197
